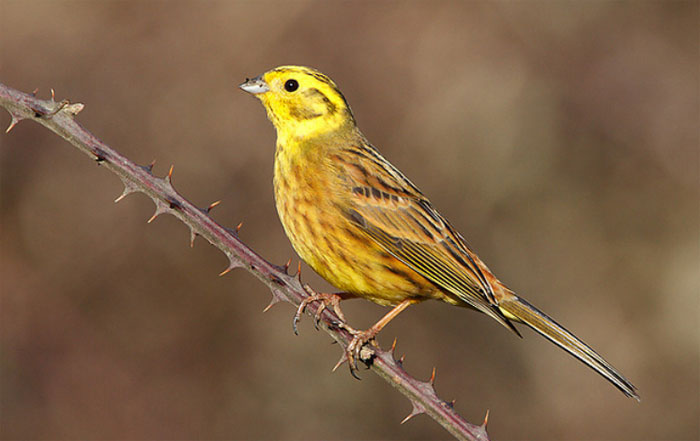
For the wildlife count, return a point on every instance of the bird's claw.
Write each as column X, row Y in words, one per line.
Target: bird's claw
column 360, row 339
column 326, row 300
column 354, row 350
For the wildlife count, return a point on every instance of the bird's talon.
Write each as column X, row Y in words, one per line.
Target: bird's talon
column 354, row 350
column 317, row 316
column 326, row 300
column 297, row 316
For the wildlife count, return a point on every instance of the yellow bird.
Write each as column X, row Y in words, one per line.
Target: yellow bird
column 364, row 227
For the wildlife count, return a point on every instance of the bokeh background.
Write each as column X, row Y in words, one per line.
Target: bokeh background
column 561, row 138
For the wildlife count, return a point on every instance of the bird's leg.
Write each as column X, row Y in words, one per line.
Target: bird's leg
column 360, row 338
column 326, row 300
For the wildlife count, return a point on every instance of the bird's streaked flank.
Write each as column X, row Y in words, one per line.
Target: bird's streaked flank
column 364, row 227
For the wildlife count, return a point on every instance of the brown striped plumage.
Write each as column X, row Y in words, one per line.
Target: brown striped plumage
column 363, row 226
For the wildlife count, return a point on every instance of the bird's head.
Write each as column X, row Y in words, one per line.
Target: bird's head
column 301, row 102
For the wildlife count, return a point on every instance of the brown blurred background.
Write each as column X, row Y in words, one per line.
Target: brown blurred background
column 560, row 138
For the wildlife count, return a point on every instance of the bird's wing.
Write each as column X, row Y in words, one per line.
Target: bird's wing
column 387, row 207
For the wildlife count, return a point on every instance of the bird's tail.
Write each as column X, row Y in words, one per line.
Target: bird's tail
column 519, row 310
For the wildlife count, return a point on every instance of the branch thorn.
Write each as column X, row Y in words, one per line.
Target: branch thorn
column 193, row 235
column 232, row 264
column 299, row 272
column 401, row 360
column 34, row 92
column 226, row 271
column 286, row 266
column 15, row 119
column 486, row 418
column 276, row 298
column 53, row 95
column 149, row 167
column 432, row 377
column 160, row 209
column 343, row 359
column 129, row 188
column 272, row 303
column 212, row 205
column 238, row 227
column 417, row 410
column 393, row 347
column 170, row 173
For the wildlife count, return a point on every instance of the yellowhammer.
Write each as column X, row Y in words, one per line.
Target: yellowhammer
column 363, row 226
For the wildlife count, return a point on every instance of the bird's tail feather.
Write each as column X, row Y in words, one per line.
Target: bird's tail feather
column 519, row 310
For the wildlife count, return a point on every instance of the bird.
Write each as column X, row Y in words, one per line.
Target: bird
column 362, row 225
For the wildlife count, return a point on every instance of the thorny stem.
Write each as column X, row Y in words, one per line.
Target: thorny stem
column 59, row 118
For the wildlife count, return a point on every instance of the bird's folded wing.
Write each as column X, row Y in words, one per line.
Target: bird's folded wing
column 393, row 212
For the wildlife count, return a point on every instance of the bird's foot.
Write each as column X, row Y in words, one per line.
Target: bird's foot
column 326, row 300
column 357, row 348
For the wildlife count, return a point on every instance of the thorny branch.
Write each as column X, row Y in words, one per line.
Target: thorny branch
column 59, row 118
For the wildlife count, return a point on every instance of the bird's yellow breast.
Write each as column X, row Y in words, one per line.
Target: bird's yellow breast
column 310, row 198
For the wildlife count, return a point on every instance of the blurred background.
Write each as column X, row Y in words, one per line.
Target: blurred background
column 560, row 138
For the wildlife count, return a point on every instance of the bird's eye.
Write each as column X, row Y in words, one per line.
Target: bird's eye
column 291, row 85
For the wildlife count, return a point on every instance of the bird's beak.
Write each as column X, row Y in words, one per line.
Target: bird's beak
column 255, row 86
